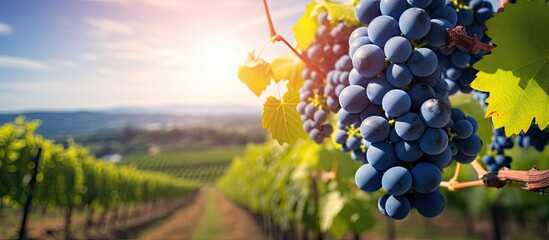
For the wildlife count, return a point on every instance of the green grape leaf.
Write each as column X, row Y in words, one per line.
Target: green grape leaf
column 306, row 26
column 342, row 12
column 256, row 73
column 516, row 73
column 281, row 118
column 288, row 67
column 330, row 206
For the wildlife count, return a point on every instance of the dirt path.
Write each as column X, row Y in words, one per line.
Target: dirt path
column 238, row 223
column 234, row 222
column 181, row 224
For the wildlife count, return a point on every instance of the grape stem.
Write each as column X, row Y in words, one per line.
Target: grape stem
column 275, row 37
column 458, row 37
column 535, row 180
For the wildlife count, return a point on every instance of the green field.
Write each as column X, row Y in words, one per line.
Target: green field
column 203, row 165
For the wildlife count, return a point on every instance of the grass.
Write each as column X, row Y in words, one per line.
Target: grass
column 209, row 226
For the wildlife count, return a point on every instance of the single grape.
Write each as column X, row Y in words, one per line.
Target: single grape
column 396, row 103
column 409, row 126
column 353, row 99
column 397, row 207
column 426, row 177
column 396, row 181
column 369, row 60
column 381, row 156
column 414, row 23
column 435, row 113
column 430, row 204
column 375, row 129
column 433, row 141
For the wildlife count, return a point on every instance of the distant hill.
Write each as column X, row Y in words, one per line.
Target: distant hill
column 58, row 123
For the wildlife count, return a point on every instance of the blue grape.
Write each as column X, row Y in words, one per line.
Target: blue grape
column 396, row 103
column 463, row 129
column 347, row 118
column 437, row 34
column 393, row 8
column 419, row 93
column 433, row 141
column 375, row 129
column 420, row 3
column 381, row 156
column 398, row 49
column 426, row 177
column 440, row 160
column 409, row 126
column 422, row 62
column 397, row 207
column 368, row 178
column 381, row 203
column 461, row 59
column 414, row 23
column 435, row 113
column 398, row 75
column 369, row 60
column 353, row 99
column 357, row 43
column 470, row 146
column 320, row 116
column 396, row 181
column 447, row 13
column 340, row 136
column 356, row 79
column 430, row 204
column 464, row 159
column 408, row 151
column 358, row 32
column 353, row 143
column 371, row 110
column 376, row 89
column 465, row 17
column 367, row 10
column 483, row 14
column 382, row 28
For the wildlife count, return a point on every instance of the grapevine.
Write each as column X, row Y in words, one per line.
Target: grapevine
column 394, row 111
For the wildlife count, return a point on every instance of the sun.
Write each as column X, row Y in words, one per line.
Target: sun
column 221, row 59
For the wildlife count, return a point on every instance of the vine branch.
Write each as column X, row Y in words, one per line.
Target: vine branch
column 458, row 37
column 534, row 180
column 275, row 37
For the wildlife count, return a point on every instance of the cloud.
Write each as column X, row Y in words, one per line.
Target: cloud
column 90, row 57
column 12, row 62
column 105, row 27
column 5, row 29
column 65, row 63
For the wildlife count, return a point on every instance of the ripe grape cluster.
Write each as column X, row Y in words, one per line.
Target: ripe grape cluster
column 455, row 62
column 534, row 137
column 330, row 44
column 397, row 100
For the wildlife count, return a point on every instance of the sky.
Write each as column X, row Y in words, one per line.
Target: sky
column 96, row 54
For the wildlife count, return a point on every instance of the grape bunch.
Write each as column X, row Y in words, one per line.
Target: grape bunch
column 455, row 62
column 330, row 44
column 534, row 137
column 399, row 104
column 495, row 157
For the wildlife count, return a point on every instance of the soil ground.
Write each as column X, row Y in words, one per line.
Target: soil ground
column 230, row 219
